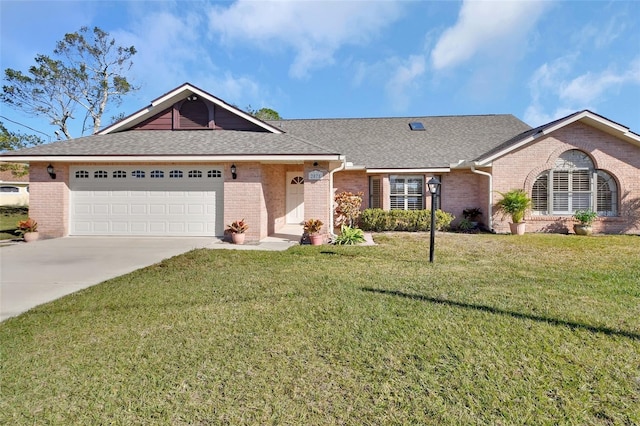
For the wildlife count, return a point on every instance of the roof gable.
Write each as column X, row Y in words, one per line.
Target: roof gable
column 587, row 117
column 165, row 102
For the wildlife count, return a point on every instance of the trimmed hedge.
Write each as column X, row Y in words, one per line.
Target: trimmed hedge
column 378, row 220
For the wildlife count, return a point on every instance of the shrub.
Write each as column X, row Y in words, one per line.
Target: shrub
column 347, row 208
column 379, row 220
column 349, row 236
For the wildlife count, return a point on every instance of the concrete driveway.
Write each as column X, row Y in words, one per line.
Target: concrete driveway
column 38, row 272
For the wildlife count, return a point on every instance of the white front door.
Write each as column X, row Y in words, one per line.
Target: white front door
column 295, row 197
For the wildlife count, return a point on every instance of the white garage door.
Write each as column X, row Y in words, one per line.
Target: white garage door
column 146, row 200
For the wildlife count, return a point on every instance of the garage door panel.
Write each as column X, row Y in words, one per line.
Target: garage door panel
column 119, row 226
column 139, row 209
column 144, row 206
column 100, row 226
column 177, row 227
column 98, row 209
column 139, row 227
column 176, row 209
column 157, row 227
column 119, row 209
column 157, row 209
column 195, row 228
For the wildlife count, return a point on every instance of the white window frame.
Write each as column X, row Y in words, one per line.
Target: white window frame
column 400, row 189
column 573, row 186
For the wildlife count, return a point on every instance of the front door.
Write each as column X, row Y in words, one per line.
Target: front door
column 295, row 197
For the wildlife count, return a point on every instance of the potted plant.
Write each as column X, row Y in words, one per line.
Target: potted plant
column 586, row 218
column 237, row 230
column 28, row 229
column 312, row 228
column 515, row 203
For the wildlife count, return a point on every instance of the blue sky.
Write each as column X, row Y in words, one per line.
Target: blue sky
column 322, row 59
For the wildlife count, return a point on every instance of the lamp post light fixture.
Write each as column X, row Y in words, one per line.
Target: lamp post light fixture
column 434, row 185
column 51, row 171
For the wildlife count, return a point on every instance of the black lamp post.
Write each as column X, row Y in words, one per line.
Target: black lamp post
column 433, row 185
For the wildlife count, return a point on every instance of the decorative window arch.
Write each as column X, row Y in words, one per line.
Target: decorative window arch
column 574, row 184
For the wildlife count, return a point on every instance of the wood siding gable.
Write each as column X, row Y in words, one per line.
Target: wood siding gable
column 197, row 115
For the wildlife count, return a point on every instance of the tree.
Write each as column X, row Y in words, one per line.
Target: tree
column 10, row 141
column 264, row 113
column 87, row 72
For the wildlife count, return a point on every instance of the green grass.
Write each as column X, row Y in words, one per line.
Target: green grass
column 500, row 330
column 9, row 217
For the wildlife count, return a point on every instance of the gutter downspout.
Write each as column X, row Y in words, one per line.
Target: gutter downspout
column 342, row 167
column 489, row 204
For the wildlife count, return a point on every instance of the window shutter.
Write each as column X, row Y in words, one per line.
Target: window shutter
column 605, row 195
column 540, row 194
column 375, row 193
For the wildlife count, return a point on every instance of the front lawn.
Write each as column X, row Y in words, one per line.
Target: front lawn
column 500, row 330
column 9, row 217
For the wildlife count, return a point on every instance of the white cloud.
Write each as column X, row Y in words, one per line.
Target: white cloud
column 552, row 84
column 485, row 27
column 404, row 79
column 589, row 87
column 600, row 35
column 165, row 61
column 313, row 30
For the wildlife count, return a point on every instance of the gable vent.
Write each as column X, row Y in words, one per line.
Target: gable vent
column 194, row 114
column 416, row 125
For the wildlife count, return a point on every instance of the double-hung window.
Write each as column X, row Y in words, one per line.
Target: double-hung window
column 406, row 192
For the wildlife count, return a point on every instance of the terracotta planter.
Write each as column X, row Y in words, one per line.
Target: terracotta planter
column 30, row 236
column 580, row 229
column 237, row 238
column 316, row 239
column 518, row 228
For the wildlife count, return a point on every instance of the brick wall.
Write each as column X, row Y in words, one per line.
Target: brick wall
column 620, row 159
column 463, row 189
column 317, row 196
column 244, row 199
column 49, row 199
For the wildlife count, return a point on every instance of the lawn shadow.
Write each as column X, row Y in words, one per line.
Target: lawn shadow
column 497, row 311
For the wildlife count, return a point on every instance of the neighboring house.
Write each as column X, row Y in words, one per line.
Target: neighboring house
column 14, row 190
column 189, row 164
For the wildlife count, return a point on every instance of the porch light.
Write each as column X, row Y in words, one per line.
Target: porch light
column 51, row 171
column 234, row 175
column 433, row 185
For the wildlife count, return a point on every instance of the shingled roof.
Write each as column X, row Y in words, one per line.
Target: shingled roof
column 389, row 143
column 373, row 143
column 177, row 143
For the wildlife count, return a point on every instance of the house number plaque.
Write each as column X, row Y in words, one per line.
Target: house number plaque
column 315, row 175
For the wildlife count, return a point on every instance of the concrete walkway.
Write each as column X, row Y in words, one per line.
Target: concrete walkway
column 39, row 272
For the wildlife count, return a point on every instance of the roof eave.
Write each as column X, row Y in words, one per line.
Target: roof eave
column 594, row 120
column 181, row 92
column 176, row 158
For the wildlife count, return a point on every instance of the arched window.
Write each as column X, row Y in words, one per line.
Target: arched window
column 574, row 184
